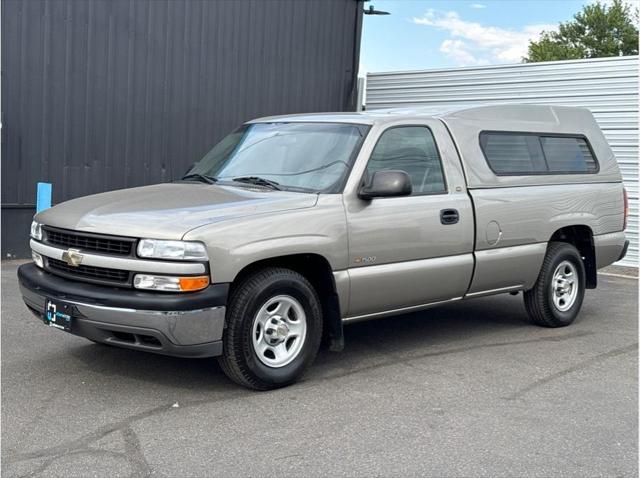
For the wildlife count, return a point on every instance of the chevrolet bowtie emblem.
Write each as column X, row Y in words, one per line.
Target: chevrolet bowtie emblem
column 72, row 257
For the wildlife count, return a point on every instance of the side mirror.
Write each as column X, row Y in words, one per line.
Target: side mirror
column 386, row 184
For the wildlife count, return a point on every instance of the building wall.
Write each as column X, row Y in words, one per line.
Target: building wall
column 606, row 86
column 107, row 94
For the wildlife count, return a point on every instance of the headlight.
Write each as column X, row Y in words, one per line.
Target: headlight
column 36, row 230
column 176, row 250
column 170, row 283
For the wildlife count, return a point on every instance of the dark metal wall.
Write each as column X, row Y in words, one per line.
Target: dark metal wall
column 106, row 94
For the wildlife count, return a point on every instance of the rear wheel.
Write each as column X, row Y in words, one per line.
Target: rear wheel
column 556, row 297
column 274, row 327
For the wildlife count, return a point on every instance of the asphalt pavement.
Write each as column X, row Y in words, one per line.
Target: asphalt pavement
column 463, row 390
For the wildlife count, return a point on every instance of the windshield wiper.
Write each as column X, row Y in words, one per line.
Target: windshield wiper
column 201, row 177
column 258, row 181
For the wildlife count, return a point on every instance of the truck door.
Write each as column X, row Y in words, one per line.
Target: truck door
column 405, row 252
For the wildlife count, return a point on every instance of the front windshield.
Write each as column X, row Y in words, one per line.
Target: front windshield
column 314, row 157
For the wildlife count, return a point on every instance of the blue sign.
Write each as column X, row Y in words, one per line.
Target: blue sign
column 43, row 200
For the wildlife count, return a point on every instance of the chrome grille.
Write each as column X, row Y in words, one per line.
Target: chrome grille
column 89, row 273
column 89, row 242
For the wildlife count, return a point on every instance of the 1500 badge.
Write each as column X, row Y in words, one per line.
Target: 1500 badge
column 364, row 260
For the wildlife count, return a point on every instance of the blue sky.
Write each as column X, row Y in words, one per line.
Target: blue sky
column 423, row 34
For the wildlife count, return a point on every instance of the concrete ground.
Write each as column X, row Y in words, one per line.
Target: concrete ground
column 460, row 391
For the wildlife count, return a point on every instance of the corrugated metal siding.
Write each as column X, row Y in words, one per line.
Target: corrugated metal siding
column 607, row 86
column 106, row 94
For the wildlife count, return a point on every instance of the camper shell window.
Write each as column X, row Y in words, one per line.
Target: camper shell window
column 523, row 153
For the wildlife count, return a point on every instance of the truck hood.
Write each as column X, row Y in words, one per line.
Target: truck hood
column 168, row 211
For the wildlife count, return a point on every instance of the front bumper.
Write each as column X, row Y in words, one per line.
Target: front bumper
column 183, row 325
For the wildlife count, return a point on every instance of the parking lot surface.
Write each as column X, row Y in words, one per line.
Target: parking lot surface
column 467, row 389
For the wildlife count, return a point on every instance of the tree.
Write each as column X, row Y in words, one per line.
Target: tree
column 597, row 31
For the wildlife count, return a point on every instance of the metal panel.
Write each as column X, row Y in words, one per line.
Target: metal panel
column 606, row 86
column 107, row 94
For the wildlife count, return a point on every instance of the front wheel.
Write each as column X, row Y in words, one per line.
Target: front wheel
column 273, row 332
column 556, row 297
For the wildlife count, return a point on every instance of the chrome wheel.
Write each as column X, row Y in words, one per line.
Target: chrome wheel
column 279, row 330
column 565, row 286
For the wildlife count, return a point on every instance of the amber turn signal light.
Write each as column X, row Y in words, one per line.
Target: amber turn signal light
column 170, row 283
column 193, row 283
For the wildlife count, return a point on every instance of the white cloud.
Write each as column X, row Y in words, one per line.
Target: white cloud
column 472, row 43
column 459, row 52
column 478, row 5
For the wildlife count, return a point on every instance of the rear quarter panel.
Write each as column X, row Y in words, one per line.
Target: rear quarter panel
column 511, row 221
column 532, row 214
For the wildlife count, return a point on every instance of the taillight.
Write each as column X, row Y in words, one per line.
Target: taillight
column 626, row 208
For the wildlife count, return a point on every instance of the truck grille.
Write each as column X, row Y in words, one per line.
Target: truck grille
column 89, row 242
column 89, row 273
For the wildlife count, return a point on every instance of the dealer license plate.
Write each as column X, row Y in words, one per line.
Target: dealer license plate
column 58, row 314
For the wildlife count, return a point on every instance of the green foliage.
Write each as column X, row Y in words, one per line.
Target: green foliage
column 597, row 31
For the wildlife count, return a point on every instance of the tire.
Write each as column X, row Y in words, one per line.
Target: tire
column 253, row 354
column 556, row 297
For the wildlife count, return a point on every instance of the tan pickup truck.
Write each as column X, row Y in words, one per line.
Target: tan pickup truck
column 293, row 226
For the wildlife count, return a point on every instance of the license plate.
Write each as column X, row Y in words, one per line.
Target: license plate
column 58, row 314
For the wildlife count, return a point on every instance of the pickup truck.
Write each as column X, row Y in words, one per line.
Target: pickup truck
column 293, row 226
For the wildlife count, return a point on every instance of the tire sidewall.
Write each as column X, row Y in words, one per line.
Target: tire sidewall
column 278, row 285
column 567, row 253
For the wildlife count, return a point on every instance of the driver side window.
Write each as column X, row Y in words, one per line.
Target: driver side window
column 411, row 149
